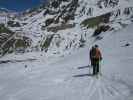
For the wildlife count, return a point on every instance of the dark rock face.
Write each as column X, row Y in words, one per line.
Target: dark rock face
column 62, row 12
column 47, row 42
column 49, row 21
column 13, row 24
column 107, row 3
column 9, row 42
column 61, row 27
column 55, row 4
column 5, row 33
column 126, row 44
column 96, row 21
column 128, row 10
column 100, row 29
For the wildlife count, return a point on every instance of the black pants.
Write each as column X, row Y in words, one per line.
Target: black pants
column 95, row 65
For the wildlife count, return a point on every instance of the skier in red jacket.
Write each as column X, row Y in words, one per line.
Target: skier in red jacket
column 95, row 57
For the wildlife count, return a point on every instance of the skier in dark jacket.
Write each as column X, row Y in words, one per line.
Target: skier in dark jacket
column 95, row 57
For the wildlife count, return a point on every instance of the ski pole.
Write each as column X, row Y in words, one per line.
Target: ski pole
column 100, row 68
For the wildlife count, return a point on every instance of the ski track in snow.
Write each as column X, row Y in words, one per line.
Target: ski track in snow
column 104, row 87
column 101, row 86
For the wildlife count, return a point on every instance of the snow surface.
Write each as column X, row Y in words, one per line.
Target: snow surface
column 68, row 78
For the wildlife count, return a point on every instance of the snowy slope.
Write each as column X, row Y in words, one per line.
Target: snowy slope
column 68, row 78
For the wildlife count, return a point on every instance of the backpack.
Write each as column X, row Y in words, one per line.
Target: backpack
column 93, row 53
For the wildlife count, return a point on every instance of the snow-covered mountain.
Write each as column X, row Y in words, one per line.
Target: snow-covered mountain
column 62, row 26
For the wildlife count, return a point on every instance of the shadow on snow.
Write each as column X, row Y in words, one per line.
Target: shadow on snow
column 83, row 75
column 83, row 67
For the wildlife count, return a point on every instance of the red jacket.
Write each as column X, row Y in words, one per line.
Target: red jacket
column 98, row 54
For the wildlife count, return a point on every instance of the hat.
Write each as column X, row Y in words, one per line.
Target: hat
column 96, row 46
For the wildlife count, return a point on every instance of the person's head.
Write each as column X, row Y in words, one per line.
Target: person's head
column 96, row 46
